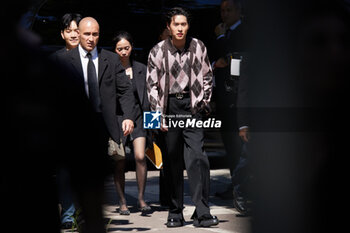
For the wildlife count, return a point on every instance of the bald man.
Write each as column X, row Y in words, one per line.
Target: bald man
column 102, row 78
column 113, row 84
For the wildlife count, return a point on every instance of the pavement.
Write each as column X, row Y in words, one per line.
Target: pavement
column 230, row 220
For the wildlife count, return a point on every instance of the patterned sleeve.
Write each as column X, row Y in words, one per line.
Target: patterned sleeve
column 153, row 71
column 207, row 76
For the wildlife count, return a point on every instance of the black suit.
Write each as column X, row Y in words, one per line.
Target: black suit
column 242, row 95
column 113, row 85
column 48, row 123
column 234, row 43
column 63, row 176
column 226, row 90
column 241, row 175
column 54, row 56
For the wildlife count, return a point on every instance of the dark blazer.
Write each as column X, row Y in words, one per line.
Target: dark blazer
column 233, row 43
column 139, row 74
column 115, row 89
column 141, row 98
column 54, row 56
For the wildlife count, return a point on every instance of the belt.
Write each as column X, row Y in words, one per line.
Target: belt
column 180, row 96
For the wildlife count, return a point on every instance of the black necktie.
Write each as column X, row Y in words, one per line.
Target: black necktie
column 94, row 94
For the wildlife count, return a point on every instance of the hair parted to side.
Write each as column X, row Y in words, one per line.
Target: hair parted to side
column 177, row 11
column 68, row 18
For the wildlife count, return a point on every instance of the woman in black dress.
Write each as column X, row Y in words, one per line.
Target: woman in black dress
column 136, row 71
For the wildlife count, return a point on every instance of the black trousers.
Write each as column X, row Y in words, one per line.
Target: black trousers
column 229, row 134
column 226, row 111
column 185, row 146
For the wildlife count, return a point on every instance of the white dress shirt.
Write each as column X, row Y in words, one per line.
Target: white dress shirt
column 84, row 62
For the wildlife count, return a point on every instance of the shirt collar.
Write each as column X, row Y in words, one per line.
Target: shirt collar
column 83, row 52
column 233, row 27
column 173, row 49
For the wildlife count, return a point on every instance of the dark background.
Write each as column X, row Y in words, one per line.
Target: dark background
column 143, row 19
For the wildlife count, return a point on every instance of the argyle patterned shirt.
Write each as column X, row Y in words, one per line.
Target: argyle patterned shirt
column 170, row 71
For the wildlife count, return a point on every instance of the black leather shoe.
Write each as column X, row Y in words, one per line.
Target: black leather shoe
column 67, row 225
column 206, row 220
column 240, row 203
column 175, row 222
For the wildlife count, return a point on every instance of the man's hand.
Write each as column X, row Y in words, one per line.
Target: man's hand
column 127, row 126
column 220, row 29
column 244, row 134
column 221, row 63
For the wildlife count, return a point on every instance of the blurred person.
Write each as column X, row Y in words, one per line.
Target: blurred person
column 228, row 46
column 176, row 86
column 43, row 116
column 323, row 47
column 136, row 72
column 70, row 34
column 100, row 73
column 300, row 91
column 164, row 34
column 234, row 44
column 242, row 175
column 323, row 59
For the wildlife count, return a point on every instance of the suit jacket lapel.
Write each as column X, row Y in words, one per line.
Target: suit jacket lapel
column 76, row 62
column 139, row 82
column 102, row 64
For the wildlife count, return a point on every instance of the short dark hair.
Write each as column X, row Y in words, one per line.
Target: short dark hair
column 68, row 18
column 177, row 11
